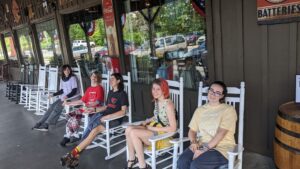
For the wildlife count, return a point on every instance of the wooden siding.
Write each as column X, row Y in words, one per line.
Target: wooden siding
column 266, row 57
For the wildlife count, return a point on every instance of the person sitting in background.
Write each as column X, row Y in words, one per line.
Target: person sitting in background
column 163, row 121
column 116, row 105
column 216, row 122
column 92, row 98
column 68, row 89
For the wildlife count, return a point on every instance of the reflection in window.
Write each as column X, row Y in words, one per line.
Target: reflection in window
column 168, row 41
column 1, row 54
column 26, row 45
column 11, row 51
column 49, row 42
column 90, row 49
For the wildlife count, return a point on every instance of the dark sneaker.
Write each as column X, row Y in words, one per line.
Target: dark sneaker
column 69, row 160
column 64, row 141
column 74, row 140
column 37, row 125
column 43, row 127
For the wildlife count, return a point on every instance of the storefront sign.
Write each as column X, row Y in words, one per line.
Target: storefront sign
column 278, row 11
column 110, row 27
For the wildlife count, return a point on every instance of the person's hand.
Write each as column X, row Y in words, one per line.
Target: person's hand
column 50, row 96
column 150, row 128
column 65, row 103
column 144, row 123
column 197, row 153
column 65, row 97
column 193, row 147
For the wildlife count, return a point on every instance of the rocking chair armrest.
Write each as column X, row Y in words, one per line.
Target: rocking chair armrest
column 115, row 118
column 137, row 123
column 161, row 136
column 179, row 140
column 73, row 97
column 237, row 149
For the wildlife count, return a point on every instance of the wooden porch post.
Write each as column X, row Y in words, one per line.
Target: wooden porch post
column 64, row 38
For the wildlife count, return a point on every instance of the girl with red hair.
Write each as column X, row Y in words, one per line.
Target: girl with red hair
column 163, row 121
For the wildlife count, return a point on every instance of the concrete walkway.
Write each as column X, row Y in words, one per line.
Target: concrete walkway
column 23, row 148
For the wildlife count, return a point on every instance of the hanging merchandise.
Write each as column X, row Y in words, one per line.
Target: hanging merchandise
column 45, row 6
column 30, row 12
column 199, row 6
column 16, row 11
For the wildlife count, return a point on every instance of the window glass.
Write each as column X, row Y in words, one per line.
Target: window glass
column 26, row 46
column 93, row 54
column 49, row 43
column 11, row 51
column 169, row 41
column 1, row 54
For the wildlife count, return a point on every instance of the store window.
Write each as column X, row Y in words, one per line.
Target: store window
column 167, row 39
column 89, row 47
column 49, row 43
column 26, row 46
column 11, row 50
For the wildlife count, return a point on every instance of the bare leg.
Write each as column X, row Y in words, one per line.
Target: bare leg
column 87, row 141
column 129, row 140
column 138, row 137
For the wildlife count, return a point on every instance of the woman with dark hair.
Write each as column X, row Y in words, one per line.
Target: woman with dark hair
column 116, row 105
column 68, row 89
column 216, row 122
column 92, row 98
column 163, row 121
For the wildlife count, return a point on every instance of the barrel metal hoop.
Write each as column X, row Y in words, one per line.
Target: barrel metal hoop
column 294, row 150
column 288, row 132
column 289, row 118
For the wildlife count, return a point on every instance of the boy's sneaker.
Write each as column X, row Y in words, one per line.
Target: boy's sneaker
column 64, row 141
column 37, row 125
column 74, row 140
column 43, row 127
column 69, row 160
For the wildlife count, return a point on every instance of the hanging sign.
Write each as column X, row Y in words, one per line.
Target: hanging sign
column 110, row 28
column 277, row 11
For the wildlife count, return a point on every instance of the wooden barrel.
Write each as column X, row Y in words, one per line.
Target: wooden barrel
column 287, row 137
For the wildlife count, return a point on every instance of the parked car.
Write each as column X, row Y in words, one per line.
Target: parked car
column 170, row 43
column 82, row 43
column 102, row 52
column 79, row 51
column 192, row 37
column 201, row 39
column 196, row 52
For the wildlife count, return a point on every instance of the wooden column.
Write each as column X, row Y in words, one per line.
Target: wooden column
column 118, row 14
column 4, row 49
column 17, row 47
column 36, row 45
column 64, row 38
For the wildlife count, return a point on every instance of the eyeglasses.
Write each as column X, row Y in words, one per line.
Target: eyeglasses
column 217, row 93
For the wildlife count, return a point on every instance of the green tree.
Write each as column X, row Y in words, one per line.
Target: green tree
column 76, row 32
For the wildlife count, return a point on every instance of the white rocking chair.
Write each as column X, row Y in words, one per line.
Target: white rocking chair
column 235, row 98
